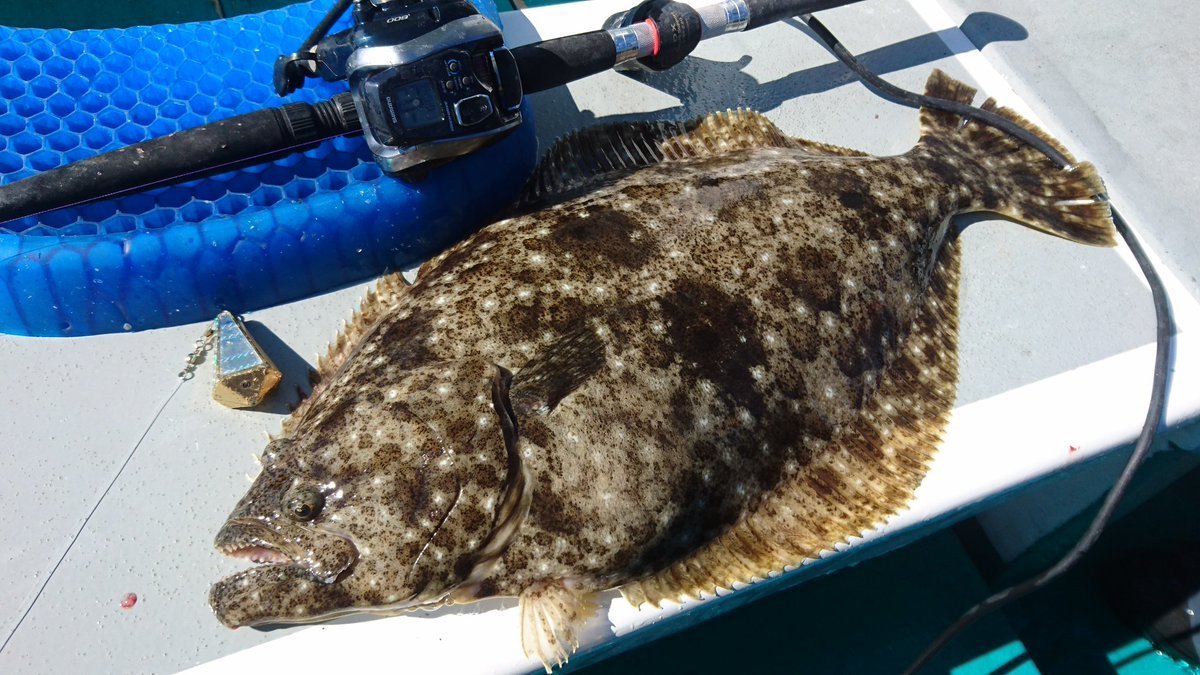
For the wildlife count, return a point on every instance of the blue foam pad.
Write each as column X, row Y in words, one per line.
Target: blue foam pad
column 241, row 240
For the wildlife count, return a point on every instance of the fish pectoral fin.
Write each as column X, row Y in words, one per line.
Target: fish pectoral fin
column 551, row 612
column 560, row 369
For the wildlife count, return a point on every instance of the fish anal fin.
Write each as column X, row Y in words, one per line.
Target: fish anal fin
column 378, row 301
column 551, row 615
column 863, row 475
column 560, row 369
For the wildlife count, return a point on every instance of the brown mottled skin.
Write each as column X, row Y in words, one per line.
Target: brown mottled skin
column 682, row 341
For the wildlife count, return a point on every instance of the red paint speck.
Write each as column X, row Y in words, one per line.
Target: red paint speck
column 1072, row 449
column 129, row 601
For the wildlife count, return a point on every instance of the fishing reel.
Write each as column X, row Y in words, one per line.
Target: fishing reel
column 431, row 80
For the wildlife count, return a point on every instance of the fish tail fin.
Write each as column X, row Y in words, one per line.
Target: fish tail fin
column 1011, row 178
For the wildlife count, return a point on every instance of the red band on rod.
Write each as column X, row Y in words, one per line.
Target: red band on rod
column 656, row 42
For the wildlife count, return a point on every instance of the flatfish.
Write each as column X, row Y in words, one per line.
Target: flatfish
column 705, row 352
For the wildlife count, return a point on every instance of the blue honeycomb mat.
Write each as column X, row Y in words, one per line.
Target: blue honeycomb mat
column 242, row 240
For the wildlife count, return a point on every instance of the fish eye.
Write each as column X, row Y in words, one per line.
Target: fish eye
column 305, row 504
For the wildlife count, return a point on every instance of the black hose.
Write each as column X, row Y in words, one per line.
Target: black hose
column 1163, row 329
column 549, row 64
column 322, row 29
column 220, row 144
column 763, row 12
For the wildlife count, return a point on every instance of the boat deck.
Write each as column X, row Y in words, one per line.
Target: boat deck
column 116, row 474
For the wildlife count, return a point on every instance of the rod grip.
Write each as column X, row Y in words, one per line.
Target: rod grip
column 552, row 63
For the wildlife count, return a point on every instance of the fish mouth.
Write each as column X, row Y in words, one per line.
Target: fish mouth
column 259, row 554
column 292, row 582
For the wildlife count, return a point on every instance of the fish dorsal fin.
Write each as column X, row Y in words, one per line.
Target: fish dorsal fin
column 741, row 129
column 723, row 132
column 560, row 369
column 375, row 304
column 864, row 474
column 584, row 159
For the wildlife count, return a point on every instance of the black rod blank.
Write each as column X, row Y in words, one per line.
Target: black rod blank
column 184, row 153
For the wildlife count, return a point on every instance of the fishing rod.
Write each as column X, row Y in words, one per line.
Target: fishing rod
column 430, row 81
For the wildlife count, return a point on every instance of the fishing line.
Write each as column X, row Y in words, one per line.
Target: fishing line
column 1163, row 330
column 88, row 518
